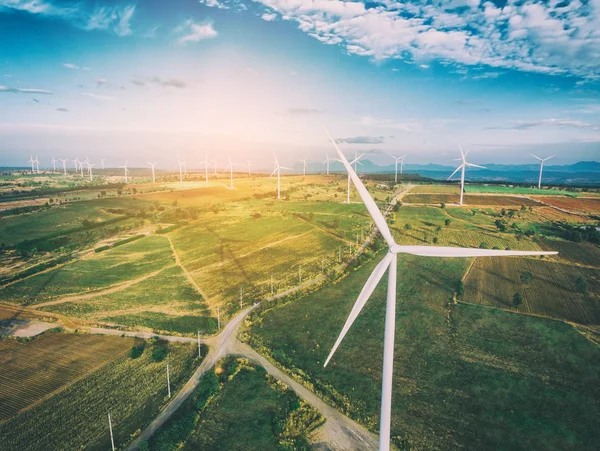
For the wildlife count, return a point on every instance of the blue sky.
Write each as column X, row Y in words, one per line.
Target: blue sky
column 148, row 79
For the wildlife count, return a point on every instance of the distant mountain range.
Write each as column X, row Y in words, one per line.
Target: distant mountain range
column 580, row 173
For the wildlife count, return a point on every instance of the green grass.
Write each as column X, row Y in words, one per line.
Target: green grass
column 464, row 377
column 163, row 322
column 500, row 189
column 134, row 390
column 169, row 289
column 242, row 408
column 94, row 273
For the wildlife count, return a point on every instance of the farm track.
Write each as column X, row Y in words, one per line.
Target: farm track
column 114, row 289
column 185, row 271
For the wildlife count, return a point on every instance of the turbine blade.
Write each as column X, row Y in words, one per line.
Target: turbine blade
column 363, row 297
column 476, row 166
column 457, row 169
column 535, row 156
column 547, row 158
column 366, row 197
column 440, row 251
column 273, row 173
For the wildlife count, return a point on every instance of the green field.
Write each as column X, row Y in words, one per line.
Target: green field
column 239, row 407
column 94, row 273
column 133, row 390
column 464, row 376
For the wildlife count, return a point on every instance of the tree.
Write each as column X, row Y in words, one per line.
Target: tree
column 443, row 205
column 460, row 289
column 581, row 285
column 517, row 300
column 523, row 208
column 435, row 240
column 501, row 225
column 448, row 222
column 526, row 277
column 407, row 226
column 484, row 245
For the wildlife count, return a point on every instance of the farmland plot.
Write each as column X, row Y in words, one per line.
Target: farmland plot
column 552, row 292
column 581, row 204
column 132, row 389
column 93, row 273
column 33, row 371
column 469, row 199
column 436, row 189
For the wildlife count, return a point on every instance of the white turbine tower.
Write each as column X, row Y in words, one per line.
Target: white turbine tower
column 102, row 162
column 248, row 163
column 76, row 163
column 398, row 160
column 53, row 164
column 64, row 164
column 32, row 161
column 152, row 165
column 112, row 440
column 303, row 167
column 462, row 167
column 542, row 160
column 81, row 167
column 205, row 163
column 390, row 262
column 327, row 160
column 37, row 164
column 90, row 166
column 214, row 166
column 230, row 167
column 180, row 165
column 277, row 171
column 353, row 162
column 125, row 170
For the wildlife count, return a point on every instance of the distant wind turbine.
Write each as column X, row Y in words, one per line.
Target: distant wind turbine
column 277, row 171
column 398, row 160
column 462, row 167
column 102, row 162
column 64, row 164
column 215, row 166
column 32, row 161
column 81, row 167
column 90, row 166
column 248, row 163
column 125, row 170
column 180, row 165
column 37, row 164
column 303, row 167
column 327, row 160
column 76, row 163
column 205, row 163
column 153, row 164
column 389, row 262
column 230, row 167
column 542, row 160
column 354, row 162
column 53, row 164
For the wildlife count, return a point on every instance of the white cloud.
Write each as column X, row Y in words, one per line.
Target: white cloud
column 116, row 18
column 191, row 31
column 553, row 37
column 562, row 123
column 269, row 17
column 424, row 66
column 71, row 66
column 97, row 96
column 214, row 4
column 24, row 90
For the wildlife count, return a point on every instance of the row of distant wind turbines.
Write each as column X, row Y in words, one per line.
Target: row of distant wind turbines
column 182, row 166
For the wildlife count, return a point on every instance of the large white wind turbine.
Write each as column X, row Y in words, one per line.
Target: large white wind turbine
column 462, row 167
column 327, row 160
column 230, row 167
column 76, row 163
column 64, row 163
column 90, row 166
column 303, row 166
column 277, row 171
column 152, row 165
column 180, row 165
column 53, row 161
column 398, row 160
column 125, row 170
column 32, row 161
column 390, row 262
column 102, row 162
column 542, row 160
column 37, row 164
column 205, row 163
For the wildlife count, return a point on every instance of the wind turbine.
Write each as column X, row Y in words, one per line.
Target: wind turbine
column 180, row 165
column 542, row 160
column 327, row 160
column 390, row 262
column 64, row 163
column 125, row 170
column 53, row 164
column 76, row 163
column 248, row 163
column 303, row 167
column 37, row 164
column 205, row 163
column 215, row 166
column 353, row 162
column 90, row 166
column 153, row 164
column 278, row 171
column 462, row 167
column 31, row 160
column 230, row 167
column 81, row 167
column 398, row 160
column 102, row 162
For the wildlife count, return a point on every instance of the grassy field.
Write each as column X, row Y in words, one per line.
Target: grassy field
column 132, row 389
column 464, row 376
column 489, row 189
column 586, row 254
column 94, row 273
column 239, row 407
column 552, row 292
column 469, row 199
column 585, row 205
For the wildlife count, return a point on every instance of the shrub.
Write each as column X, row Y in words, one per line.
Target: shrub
column 581, row 285
column 448, row 222
column 136, row 351
column 526, row 277
column 517, row 299
column 159, row 353
column 484, row 246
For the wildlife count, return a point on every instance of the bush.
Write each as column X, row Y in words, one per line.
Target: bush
column 526, row 277
column 136, row 351
column 407, row 226
column 581, row 285
column 448, row 222
column 517, row 299
column 484, row 246
column 101, row 249
column 159, row 353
